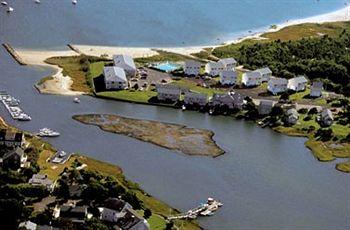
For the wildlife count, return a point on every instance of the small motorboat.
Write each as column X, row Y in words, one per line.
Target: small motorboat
column 46, row 132
column 9, row 10
column 183, row 107
column 24, row 117
column 37, row 1
column 76, row 100
column 74, row 2
column 4, row 3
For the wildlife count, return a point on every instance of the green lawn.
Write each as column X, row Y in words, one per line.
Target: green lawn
column 128, row 95
column 185, row 83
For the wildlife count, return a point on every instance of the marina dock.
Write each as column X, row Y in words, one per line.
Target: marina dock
column 12, row 106
column 206, row 209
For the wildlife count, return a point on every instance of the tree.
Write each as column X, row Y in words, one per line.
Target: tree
column 169, row 225
column 147, row 213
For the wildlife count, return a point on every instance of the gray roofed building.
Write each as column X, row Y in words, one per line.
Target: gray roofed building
column 132, row 221
column 76, row 214
column 168, row 92
column 192, row 98
column 316, row 89
column 230, row 100
column 265, row 107
column 292, row 116
column 326, row 117
column 28, row 225
column 228, row 63
column 114, row 78
column 297, row 83
column 125, row 62
column 277, row 85
column 41, row 180
column 265, row 73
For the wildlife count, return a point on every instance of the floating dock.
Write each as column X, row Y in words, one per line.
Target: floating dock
column 12, row 106
column 13, row 53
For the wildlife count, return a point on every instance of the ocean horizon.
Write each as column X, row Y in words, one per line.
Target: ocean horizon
column 148, row 23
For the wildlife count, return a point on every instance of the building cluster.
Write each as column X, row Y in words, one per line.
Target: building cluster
column 116, row 76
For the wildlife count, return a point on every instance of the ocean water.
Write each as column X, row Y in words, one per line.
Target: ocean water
column 147, row 23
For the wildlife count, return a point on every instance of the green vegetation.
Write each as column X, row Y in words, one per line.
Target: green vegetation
column 343, row 166
column 162, row 56
column 193, row 86
column 43, row 80
column 129, row 95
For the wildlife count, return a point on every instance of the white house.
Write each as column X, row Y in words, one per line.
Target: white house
column 251, row 78
column 326, row 117
column 192, row 98
column 265, row 107
column 228, row 77
column 228, row 63
column 316, row 89
column 126, row 63
column 265, row 73
column 277, row 85
column 192, row 67
column 114, row 78
column 168, row 92
column 292, row 116
column 297, row 83
column 214, row 68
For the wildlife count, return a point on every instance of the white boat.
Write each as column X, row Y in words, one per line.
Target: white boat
column 76, row 100
column 46, row 132
column 24, row 117
column 10, row 9
column 74, row 2
column 4, row 3
column 183, row 107
column 37, row 1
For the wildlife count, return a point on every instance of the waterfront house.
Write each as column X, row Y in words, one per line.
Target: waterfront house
column 192, row 98
column 228, row 63
column 76, row 214
column 168, row 92
column 12, row 139
column 265, row 107
column 297, row 83
column 292, row 116
column 125, row 62
column 326, row 117
column 131, row 220
column 192, row 68
column 238, row 100
column 41, row 180
column 316, row 89
column 277, row 85
column 214, row 68
column 251, row 78
column 230, row 100
column 14, row 159
column 265, row 73
column 228, row 77
column 28, row 225
column 114, row 78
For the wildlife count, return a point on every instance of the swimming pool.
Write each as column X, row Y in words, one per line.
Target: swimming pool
column 166, row 66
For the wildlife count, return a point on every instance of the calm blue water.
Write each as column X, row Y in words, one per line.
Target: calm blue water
column 147, row 23
column 167, row 66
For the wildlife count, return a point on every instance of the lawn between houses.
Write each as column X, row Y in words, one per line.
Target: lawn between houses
column 44, row 150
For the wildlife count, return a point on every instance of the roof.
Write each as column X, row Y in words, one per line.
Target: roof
column 277, row 80
column 292, row 112
column 227, row 61
column 265, row 70
column 113, row 73
column 18, row 151
column 115, row 204
column 8, row 135
column 168, row 88
column 266, row 103
column 317, row 85
column 196, row 95
column 130, row 219
column 121, row 59
column 40, row 179
column 212, row 64
column 252, row 74
column 326, row 113
column 297, row 80
column 192, row 63
column 28, row 225
column 228, row 73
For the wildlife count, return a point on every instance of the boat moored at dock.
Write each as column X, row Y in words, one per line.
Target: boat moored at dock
column 12, row 106
column 46, row 132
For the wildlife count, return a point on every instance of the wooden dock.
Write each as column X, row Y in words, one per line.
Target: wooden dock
column 13, row 53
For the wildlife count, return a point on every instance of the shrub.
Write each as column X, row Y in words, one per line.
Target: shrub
column 302, row 111
column 324, row 134
column 313, row 111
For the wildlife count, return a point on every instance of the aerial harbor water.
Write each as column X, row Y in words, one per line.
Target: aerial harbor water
column 266, row 180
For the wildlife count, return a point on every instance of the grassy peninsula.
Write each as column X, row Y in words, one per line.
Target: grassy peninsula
column 190, row 141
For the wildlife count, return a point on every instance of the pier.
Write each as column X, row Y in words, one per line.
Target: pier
column 12, row 106
column 70, row 46
column 13, row 53
column 206, row 209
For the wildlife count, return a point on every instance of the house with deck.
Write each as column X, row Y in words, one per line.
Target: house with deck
column 316, row 89
column 192, row 68
column 265, row 107
column 195, row 99
column 297, row 83
column 230, row 100
column 265, row 73
column 251, row 78
column 14, row 159
column 228, row 77
column 326, row 117
column 12, row 139
column 168, row 92
column 114, row 78
column 277, row 85
column 42, row 180
column 214, row 68
column 125, row 62
column 292, row 116
column 228, row 63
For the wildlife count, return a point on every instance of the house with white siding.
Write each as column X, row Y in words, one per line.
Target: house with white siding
column 114, row 78
column 214, row 68
column 316, row 89
column 251, row 79
column 277, row 85
column 228, row 63
column 192, row 67
column 125, row 62
column 228, row 77
column 168, row 92
column 265, row 73
column 292, row 116
column 192, row 98
column 297, row 83
column 265, row 107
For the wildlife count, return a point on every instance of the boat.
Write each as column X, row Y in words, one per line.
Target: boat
column 46, row 132
column 23, row 117
column 74, row 2
column 211, row 112
column 4, row 3
column 10, row 9
column 37, row 1
column 183, row 107
column 62, row 154
column 76, row 100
